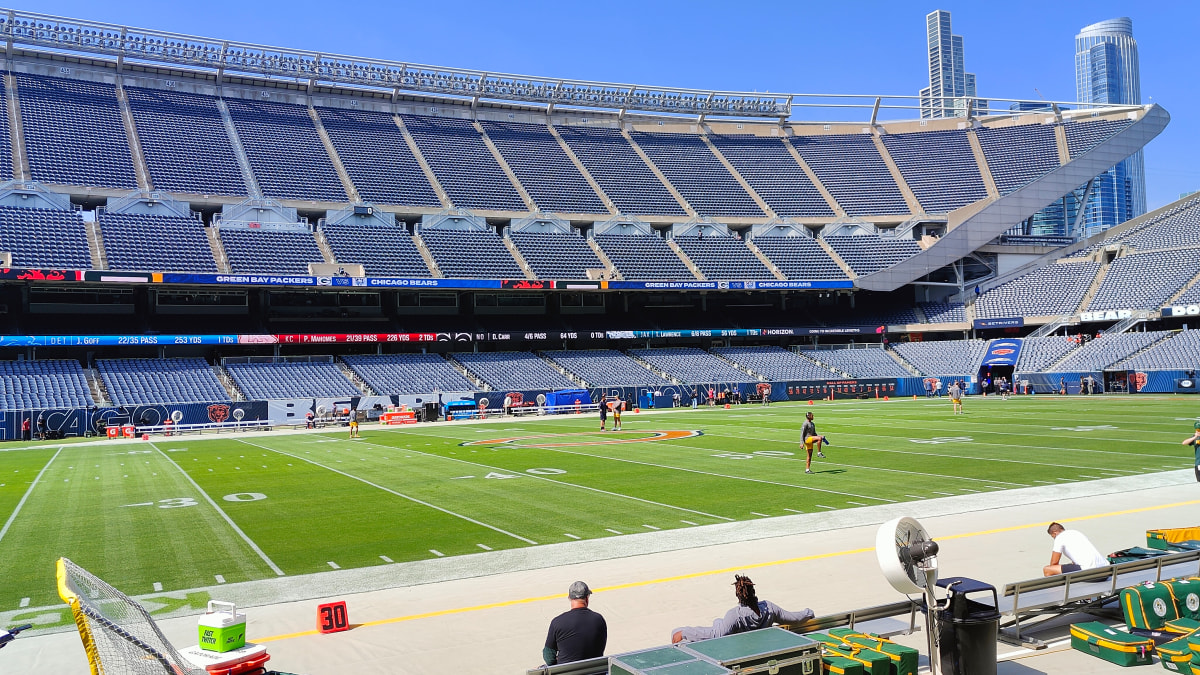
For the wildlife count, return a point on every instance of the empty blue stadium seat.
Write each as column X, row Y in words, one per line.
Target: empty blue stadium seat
column 775, row 363
column 1107, row 350
column 35, row 385
column 471, row 254
column 556, row 256
column 544, row 169
column 267, row 250
column 185, row 143
column 944, row 357
column 605, row 368
column 619, row 171
column 859, row 362
column 1180, row 352
column 1027, row 295
column 520, row 371
column 44, row 238
column 408, row 373
column 155, row 243
column 463, row 164
column 1088, row 133
column 692, row 366
column 643, row 257
column 1019, row 154
column 159, row 381
column 697, row 174
column 723, row 258
column 285, row 152
column 850, row 167
column 1146, row 280
column 867, row 253
column 799, row 258
column 774, row 174
column 939, row 168
column 378, row 159
column 382, row 251
column 74, row 134
column 291, row 379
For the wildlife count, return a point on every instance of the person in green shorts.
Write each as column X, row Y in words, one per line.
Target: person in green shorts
column 1194, row 441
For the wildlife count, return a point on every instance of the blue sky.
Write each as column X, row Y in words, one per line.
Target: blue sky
column 1013, row 47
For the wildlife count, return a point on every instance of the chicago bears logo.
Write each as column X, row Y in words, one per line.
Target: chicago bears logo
column 218, row 412
column 1139, row 381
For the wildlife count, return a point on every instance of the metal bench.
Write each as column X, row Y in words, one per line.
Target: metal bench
column 1030, row 602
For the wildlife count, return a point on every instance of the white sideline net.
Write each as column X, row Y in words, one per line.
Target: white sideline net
column 118, row 634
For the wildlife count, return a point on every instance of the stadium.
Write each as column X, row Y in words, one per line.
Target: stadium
column 217, row 255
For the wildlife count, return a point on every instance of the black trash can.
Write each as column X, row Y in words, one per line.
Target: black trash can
column 968, row 628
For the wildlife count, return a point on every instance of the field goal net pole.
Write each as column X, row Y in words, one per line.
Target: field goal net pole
column 118, row 634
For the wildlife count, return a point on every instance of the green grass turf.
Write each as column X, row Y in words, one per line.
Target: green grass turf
column 181, row 511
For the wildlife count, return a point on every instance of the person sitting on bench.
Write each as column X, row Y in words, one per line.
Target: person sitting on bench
column 750, row 614
column 1076, row 546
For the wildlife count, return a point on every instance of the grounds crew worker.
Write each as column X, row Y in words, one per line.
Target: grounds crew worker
column 577, row 634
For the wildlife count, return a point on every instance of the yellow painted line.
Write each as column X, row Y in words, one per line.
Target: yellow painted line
column 727, row 570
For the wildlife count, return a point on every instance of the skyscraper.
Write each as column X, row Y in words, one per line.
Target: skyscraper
column 1106, row 71
column 950, row 87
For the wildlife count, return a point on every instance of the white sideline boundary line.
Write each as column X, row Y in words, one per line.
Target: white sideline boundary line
column 556, row 482
column 245, row 537
column 12, row 518
column 391, row 491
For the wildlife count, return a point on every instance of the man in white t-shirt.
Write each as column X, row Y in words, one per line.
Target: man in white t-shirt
column 1076, row 547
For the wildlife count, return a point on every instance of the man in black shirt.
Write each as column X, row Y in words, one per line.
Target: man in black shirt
column 578, row 634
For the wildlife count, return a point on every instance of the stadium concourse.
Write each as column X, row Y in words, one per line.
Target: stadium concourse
column 487, row 612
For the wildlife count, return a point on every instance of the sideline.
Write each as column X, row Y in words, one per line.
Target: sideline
column 727, row 570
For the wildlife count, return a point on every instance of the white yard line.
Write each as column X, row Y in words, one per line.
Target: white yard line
column 13, row 517
column 559, row 482
column 609, row 529
column 158, row 587
column 719, row 475
column 391, row 491
column 245, row 537
column 386, row 559
column 220, row 579
column 334, row 565
column 437, row 553
column 571, row 536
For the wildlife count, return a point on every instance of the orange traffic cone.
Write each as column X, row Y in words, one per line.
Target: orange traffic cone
column 810, row 401
column 727, row 406
column 885, row 398
column 637, row 410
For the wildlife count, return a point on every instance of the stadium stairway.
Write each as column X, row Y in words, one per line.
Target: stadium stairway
column 608, row 202
column 516, row 254
column 1095, row 287
column 96, row 246
column 357, row 381
column 812, row 177
column 662, row 178
column 226, row 380
column 762, row 204
column 343, row 175
column 239, row 151
column 758, row 376
column 218, row 249
column 512, row 178
column 649, row 366
column 985, row 171
column 16, row 129
column 762, row 257
column 472, row 377
column 427, row 256
column 323, row 246
column 837, row 258
column 1186, row 287
column 613, row 272
column 429, row 176
column 910, row 197
column 560, row 368
column 99, row 391
column 140, row 169
column 686, row 260
column 903, row 363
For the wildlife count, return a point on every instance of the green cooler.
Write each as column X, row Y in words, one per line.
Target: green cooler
column 662, row 661
column 769, row 650
column 1112, row 645
column 1175, row 655
column 835, row 664
column 1187, row 597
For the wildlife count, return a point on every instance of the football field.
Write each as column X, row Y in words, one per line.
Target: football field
column 187, row 512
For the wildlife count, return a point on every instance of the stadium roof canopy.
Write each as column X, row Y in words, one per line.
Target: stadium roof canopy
column 229, row 57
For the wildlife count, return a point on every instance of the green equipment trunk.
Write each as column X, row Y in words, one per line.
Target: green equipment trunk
column 839, row 665
column 662, row 661
column 1187, row 597
column 904, row 659
column 873, row 662
column 1110, row 644
column 770, row 650
column 1148, row 606
column 1175, row 655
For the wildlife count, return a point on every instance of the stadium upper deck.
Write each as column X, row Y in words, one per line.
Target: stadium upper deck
column 98, row 110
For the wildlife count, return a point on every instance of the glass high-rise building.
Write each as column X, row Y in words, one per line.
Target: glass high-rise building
column 950, row 86
column 1106, row 71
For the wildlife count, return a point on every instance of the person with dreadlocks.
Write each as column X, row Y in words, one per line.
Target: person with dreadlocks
column 750, row 614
